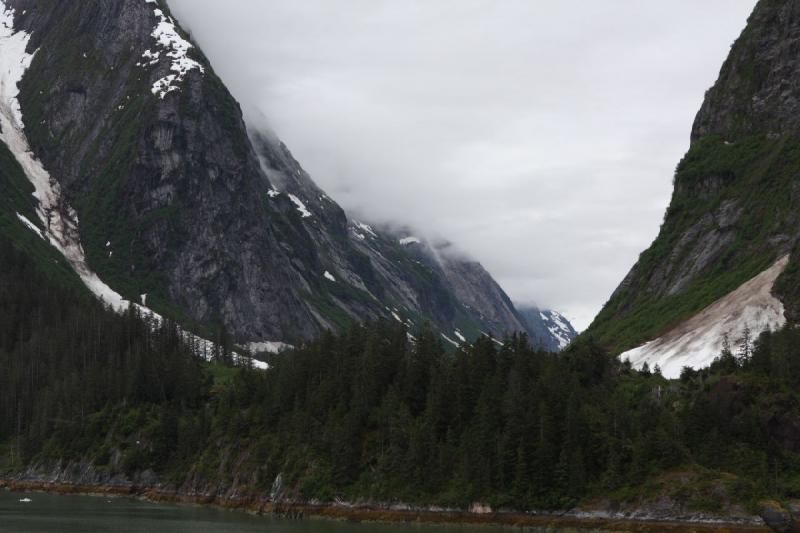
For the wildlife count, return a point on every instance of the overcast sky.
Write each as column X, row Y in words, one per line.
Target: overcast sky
column 540, row 137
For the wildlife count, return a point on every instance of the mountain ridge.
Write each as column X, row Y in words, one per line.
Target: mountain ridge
column 733, row 211
column 183, row 206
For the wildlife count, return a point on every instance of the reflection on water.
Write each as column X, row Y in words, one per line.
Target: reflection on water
column 35, row 512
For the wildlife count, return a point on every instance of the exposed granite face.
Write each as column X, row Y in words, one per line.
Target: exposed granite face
column 215, row 223
column 758, row 89
column 698, row 246
column 734, row 208
column 479, row 295
column 172, row 184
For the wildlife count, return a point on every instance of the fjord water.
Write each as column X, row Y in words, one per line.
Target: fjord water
column 87, row 514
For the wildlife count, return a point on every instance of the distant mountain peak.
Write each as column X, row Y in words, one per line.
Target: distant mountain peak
column 549, row 328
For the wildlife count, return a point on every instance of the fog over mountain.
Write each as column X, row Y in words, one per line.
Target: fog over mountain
column 539, row 138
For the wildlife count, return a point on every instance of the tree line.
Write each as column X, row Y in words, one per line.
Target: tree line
column 373, row 413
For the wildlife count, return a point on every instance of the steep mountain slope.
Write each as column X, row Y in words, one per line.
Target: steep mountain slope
column 733, row 214
column 148, row 179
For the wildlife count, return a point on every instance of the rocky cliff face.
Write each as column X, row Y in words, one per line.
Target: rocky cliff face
column 734, row 209
column 174, row 202
column 757, row 89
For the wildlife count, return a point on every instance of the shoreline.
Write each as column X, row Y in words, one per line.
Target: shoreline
column 374, row 514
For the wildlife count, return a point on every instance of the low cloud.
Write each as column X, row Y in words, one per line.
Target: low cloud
column 539, row 138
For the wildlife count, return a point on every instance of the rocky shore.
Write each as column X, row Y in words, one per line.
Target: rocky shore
column 398, row 513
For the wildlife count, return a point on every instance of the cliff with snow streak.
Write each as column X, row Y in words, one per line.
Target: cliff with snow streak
column 149, row 182
column 725, row 260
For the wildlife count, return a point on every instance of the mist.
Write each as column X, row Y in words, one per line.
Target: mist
column 540, row 138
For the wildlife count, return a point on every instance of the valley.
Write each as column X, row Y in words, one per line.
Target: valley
column 187, row 317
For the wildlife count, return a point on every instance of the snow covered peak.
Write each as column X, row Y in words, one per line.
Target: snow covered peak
column 173, row 46
column 559, row 327
column 547, row 328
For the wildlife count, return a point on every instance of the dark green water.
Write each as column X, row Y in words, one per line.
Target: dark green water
column 86, row 514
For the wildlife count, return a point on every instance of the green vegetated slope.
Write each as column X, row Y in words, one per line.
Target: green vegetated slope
column 366, row 414
column 736, row 198
column 754, row 179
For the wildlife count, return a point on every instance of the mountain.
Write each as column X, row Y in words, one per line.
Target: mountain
column 127, row 172
column 725, row 262
column 548, row 328
column 149, row 182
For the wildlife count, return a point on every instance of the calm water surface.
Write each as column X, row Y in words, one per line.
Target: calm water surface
column 86, row 514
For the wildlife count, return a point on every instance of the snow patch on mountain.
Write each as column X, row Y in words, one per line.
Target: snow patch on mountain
column 361, row 230
column 30, row 225
column 451, row 341
column 14, row 61
column 366, row 229
column 301, row 207
column 273, row 347
column 698, row 340
column 491, row 337
column 405, row 241
column 151, row 58
column 173, row 46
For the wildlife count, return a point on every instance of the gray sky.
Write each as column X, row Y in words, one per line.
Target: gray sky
column 540, row 137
